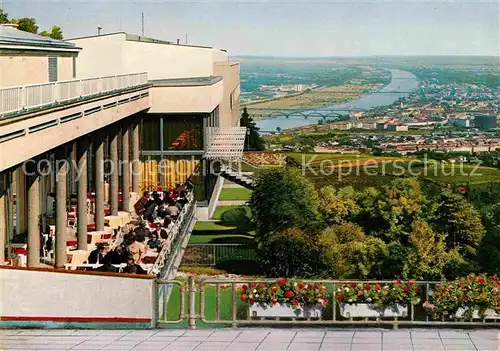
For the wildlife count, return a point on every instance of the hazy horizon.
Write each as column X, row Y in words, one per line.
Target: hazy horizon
column 285, row 28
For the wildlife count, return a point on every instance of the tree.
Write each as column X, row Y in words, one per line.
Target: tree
column 337, row 206
column 455, row 217
column 389, row 214
column 427, row 256
column 291, row 253
column 27, row 25
column 4, row 17
column 55, row 33
column 254, row 141
column 282, row 199
column 278, row 129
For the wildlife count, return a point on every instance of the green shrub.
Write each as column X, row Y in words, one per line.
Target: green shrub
column 235, row 217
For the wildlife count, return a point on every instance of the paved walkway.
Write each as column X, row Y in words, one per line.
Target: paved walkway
column 251, row 339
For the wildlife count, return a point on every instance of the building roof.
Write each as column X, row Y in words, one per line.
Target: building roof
column 134, row 37
column 11, row 37
column 186, row 82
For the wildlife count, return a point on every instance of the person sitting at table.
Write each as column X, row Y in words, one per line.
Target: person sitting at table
column 172, row 210
column 155, row 242
column 116, row 256
column 162, row 210
column 137, row 249
column 168, row 225
column 140, row 205
column 97, row 255
column 130, row 268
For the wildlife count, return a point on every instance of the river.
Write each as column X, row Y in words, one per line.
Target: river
column 402, row 81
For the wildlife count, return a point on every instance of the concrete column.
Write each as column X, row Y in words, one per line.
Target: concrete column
column 61, row 216
column 99, row 181
column 21, row 223
column 135, row 157
column 33, row 185
column 3, row 216
column 83, row 148
column 113, row 186
column 126, row 168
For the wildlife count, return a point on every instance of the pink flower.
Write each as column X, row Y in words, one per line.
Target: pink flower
column 429, row 306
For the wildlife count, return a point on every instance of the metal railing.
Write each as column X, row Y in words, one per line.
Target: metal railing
column 26, row 97
column 217, row 301
column 213, row 254
column 174, row 235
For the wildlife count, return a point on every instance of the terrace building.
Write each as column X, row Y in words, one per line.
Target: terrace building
column 154, row 112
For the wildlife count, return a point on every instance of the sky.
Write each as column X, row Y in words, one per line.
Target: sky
column 286, row 28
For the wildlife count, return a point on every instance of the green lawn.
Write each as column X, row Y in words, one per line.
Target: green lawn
column 221, row 209
column 225, row 307
column 216, row 233
column 235, row 194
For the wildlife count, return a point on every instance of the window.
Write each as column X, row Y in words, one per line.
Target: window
column 150, row 133
column 183, row 132
column 74, row 67
column 52, row 68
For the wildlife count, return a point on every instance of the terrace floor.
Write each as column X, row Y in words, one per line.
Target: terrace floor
column 245, row 339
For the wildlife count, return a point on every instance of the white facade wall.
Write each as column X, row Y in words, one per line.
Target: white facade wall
column 101, row 56
column 114, row 54
column 25, row 293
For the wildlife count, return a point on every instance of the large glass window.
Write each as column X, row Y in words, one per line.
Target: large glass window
column 182, row 132
column 150, row 133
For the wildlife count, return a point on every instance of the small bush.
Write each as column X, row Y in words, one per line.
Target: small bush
column 235, row 217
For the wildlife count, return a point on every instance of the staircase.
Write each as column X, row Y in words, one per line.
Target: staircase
column 243, row 179
column 241, row 173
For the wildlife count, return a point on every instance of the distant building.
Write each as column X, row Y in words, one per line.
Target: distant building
column 397, row 128
column 381, row 126
column 459, row 121
column 485, row 122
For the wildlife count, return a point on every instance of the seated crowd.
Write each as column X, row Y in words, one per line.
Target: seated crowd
column 160, row 212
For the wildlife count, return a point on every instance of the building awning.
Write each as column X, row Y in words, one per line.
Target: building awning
column 225, row 143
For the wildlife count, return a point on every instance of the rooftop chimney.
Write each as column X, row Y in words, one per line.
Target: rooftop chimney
column 12, row 25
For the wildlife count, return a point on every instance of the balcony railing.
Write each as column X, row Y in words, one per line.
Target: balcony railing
column 23, row 98
column 176, row 233
column 217, row 301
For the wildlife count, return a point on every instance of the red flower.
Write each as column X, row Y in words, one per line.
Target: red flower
column 471, row 278
column 262, row 286
column 252, row 301
column 353, row 285
column 465, row 298
column 244, row 297
column 340, row 297
column 294, row 303
column 301, row 285
column 273, row 288
column 367, row 287
column 405, row 288
column 460, row 284
column 417, row 290
column 298, row 293
column 436, row 296
column 289, row 293
column 412, row 282
column 274, row 301
column 282, row 281
column 481, row 280
column 443, row 291
column 244, row 287
column 323, row 288
column 253, row 284
column 377, row 287
column 398, row 281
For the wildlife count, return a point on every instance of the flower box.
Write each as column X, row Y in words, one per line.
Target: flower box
column 367, row 310
column 285, row 310
column 488, row 314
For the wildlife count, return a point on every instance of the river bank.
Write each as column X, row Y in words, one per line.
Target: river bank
column 401, row 85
